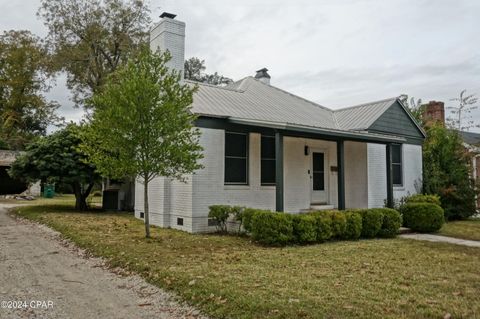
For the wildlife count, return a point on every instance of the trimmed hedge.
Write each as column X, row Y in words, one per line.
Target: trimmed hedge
column 279, row 229
column 372, row 221
column 423, row 217
column 420, row 198
column 353, row 227
column 392, row 220
column 273, row 229
column 304, row 228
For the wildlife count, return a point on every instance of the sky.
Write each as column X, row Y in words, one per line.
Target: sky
column 337, row 53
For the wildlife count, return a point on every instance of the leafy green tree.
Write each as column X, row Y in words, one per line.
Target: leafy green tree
column 142, row 125
column 92, row 38
column 55, row 158
column 194, row 70
column 24, row 111
column 447, row 171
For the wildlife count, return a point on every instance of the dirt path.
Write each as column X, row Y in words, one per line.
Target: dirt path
column 37, row 265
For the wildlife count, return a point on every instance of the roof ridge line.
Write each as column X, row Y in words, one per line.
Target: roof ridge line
column 363, row 104
column 215, row 86
column 291, row 94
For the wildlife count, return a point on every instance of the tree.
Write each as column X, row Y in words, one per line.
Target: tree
column 446, row 170
column 415, row 107
column 55, row 158
column 462, row 119
column 92, row 38
column 24, row 111
column 142, row 125
column 194, row 71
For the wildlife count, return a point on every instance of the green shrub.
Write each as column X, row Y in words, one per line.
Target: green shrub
column 97, row 194
column 304, row 228
column 392, row 220
column 274, row 229
column 353, row 226
column 420, row 198
column 372, row 220
column 237, row 213
column 220, row 214
column 339, row 224
column 423, row 217
column 323, row 223
column 247, row 216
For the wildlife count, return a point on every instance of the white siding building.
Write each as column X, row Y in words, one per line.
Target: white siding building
column 266, row 148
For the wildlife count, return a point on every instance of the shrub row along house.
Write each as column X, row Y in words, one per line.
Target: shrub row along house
column 270, row 149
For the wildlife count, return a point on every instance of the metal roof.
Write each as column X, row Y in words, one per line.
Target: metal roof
column 361, row 117
column 251, row 100
column 470, row 138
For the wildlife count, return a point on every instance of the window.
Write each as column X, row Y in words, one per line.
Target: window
column 397, row 165
column 179, row 221
column 236, row 158
column 318, row 171
column 267, row 169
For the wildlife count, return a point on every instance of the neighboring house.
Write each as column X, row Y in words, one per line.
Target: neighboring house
column 267, row 148
column 9, row 185
column 435, row 111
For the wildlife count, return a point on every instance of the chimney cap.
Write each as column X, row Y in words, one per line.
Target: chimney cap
column 168, row 15
column 262, row 73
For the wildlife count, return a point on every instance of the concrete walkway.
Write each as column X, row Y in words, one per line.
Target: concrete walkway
column 442, row 239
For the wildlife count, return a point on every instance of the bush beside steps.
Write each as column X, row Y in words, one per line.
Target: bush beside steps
column 280, row 229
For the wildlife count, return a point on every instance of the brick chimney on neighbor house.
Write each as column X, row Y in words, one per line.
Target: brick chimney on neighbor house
column 263, row 76
column 434, row 112
column 169, row 34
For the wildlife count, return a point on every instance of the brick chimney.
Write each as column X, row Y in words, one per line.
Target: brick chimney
column 169, row 34
column 434, row 112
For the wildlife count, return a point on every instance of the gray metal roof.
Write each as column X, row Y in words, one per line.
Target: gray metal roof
column 470, row 138
column 361, row 117
column 250, row 99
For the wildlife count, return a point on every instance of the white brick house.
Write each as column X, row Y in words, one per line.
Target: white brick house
column 267, row 148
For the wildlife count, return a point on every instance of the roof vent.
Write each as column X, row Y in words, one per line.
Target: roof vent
column 263, row 76
column 168, row 15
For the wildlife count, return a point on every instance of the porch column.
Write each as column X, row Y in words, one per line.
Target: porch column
column 341, row 174
column 389, row 176
column 278, row 172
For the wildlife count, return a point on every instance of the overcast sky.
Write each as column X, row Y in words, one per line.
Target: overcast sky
column 334, row 52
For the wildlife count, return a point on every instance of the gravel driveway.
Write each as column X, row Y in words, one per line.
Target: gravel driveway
column 53, row 279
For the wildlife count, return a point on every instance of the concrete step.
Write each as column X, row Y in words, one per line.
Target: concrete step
column 321, row 207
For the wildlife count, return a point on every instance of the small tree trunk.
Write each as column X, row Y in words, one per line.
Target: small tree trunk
column 80, row 203
column 146, row 208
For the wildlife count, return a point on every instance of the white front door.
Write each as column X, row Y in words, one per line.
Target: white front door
column 319, row 177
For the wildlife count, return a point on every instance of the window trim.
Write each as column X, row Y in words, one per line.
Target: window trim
column 266, row 159
column 401, row 166
column 247, row 158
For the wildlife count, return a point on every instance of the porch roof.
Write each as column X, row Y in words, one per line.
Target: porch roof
column 335, row 134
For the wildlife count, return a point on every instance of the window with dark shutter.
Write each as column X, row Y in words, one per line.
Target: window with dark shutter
column 236, row 158
column 267, row 169
column 397, row 169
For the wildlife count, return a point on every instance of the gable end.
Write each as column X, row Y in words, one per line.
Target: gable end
column 396, row 121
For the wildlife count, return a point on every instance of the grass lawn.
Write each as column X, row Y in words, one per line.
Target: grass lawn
column 230, row 277
column 93, row 201
column 465, row 229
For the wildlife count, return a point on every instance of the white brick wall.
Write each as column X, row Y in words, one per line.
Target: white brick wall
column 365, row 177
column 356, row 185
column 169, row 34
column 377, row 175
column 297, row 187
column 412, row 171
column 208, row 183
